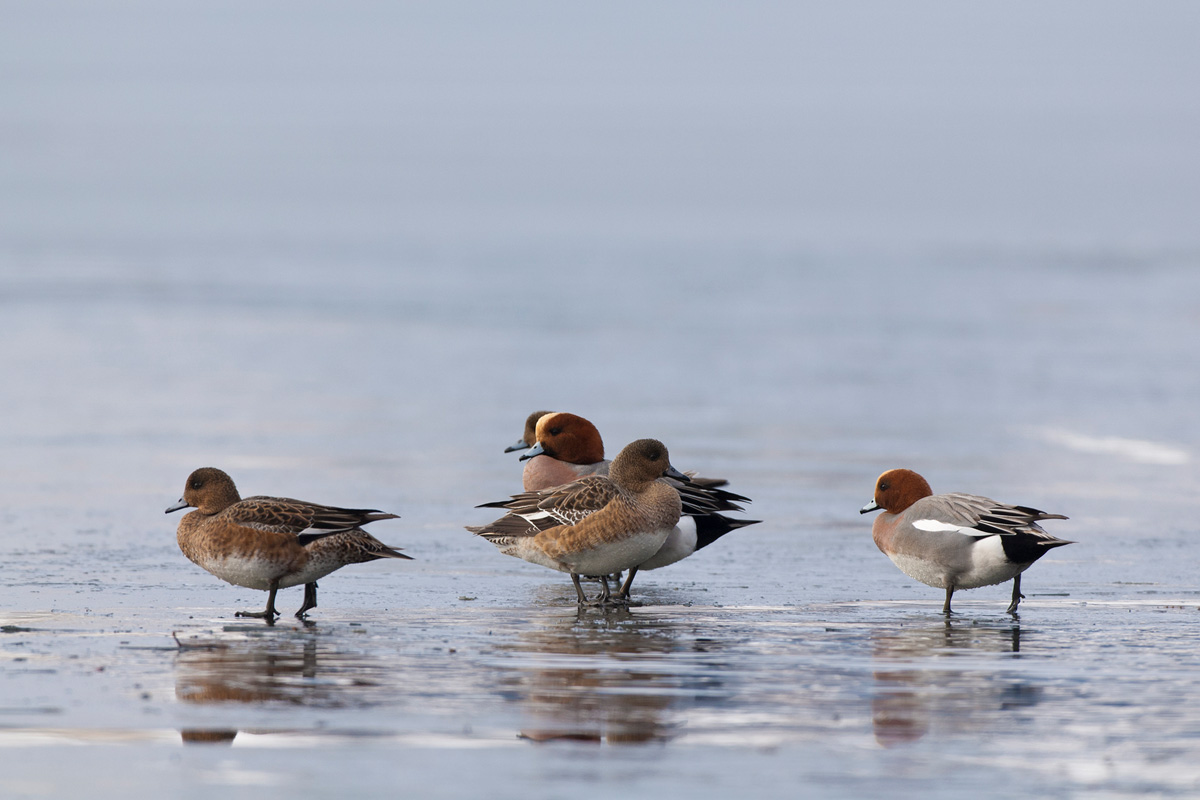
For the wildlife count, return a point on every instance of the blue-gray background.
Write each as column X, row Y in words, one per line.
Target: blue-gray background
column 341, row 250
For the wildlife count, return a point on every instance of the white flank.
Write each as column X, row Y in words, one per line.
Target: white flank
column 628, row 551
column 989, row 565
column 680, row 543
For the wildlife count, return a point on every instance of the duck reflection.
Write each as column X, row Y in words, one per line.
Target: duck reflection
column 292, row 670
column 604, row 677
column 924, row 690
column 208, row 737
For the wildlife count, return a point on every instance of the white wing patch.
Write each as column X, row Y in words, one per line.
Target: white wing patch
column 543, row 519
column 538, row 516
column 936, row 525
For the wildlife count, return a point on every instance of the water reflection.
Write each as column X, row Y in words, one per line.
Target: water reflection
column 612, row 677
column 925, row 690
column 295, row 669
column 202, row 736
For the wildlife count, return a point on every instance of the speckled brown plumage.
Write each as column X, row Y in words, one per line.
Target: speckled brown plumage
column 569, row 448
column 597, row 525
column 269, row 543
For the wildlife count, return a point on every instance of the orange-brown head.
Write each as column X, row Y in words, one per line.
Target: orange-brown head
column 209, row 491
column 896, row 490
column 569, row 438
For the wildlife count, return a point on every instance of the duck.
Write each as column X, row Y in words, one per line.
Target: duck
column 529, row 436
column 956, row 541
column 566, row 447
column 271, row 543
column 597, row 525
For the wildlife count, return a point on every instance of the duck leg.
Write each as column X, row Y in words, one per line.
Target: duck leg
column 1017, row 596
column 310, row 600
column 269, row 613
column 624, row 592
column 617, row 599
column 949, row 594
column 605, row 595
column 579, row 590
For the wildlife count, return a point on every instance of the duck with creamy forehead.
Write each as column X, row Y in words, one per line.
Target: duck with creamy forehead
column 597, row 525
column 566, row 447
column 956, row 541
column 569, row 447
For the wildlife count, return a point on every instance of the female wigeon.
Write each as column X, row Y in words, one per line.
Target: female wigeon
column 956, row 541
column 566, row 447
column 271, row 543
column 596, row 525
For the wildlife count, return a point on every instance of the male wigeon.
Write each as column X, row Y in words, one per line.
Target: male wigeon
column 956, row 541
column 596, row 525
column 563, row 448
column 567, row 447
column 271, row 543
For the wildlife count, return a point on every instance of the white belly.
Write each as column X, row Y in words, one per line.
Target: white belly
column 256, row 573
column 927, row 572
column 252, row 573
column 985, row 565
column 627, row 552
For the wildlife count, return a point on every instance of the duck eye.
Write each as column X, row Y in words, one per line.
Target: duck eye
column 555, row 431
column 883, row 487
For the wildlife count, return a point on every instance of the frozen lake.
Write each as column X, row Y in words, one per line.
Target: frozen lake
column 343, row 255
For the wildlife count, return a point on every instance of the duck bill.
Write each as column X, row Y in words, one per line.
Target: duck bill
column 536, row 450
column 676, row 474
column 181, row 504
column 869, row 507
column 520, row 444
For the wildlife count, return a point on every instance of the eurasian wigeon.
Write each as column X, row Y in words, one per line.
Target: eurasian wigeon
column 596, row 525
column 567, row 447
column 271, row 543
column 956, row 541
column 564, row 448
column 530, row 434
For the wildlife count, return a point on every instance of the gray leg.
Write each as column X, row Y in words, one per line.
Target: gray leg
column 1017, row 596
column 617, row 599
column 628, row 582
column 579, row 589
column 269, row 614
column 310, row 600
column 949, row 594
column 604, row 594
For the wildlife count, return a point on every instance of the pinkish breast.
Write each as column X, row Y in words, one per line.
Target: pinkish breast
column 544, row 472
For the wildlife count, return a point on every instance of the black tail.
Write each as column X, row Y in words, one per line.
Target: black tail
column 1025, row 548
column 710, row 527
